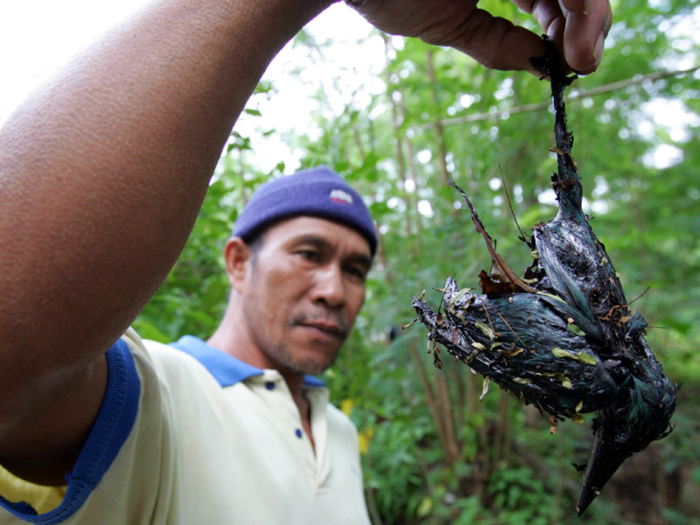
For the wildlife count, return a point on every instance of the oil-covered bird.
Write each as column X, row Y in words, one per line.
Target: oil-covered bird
column 562, row 337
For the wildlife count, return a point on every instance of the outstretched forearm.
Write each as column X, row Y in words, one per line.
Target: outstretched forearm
column 103, row 171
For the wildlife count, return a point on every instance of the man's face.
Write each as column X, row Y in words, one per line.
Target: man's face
column 302, row 291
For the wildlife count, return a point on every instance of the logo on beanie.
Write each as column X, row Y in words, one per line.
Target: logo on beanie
column 343, row 197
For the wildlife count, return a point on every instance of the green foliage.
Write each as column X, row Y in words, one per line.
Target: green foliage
column 442, row 115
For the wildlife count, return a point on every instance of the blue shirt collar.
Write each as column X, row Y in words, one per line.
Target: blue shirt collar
column 225, row 368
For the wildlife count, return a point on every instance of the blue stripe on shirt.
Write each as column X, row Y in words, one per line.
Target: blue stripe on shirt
column 109, row 432
column 225, row 368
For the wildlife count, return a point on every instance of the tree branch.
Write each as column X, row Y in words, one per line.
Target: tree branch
column 575, row 95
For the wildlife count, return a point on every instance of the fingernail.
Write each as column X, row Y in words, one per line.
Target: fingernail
column 586, row 6
column 599, row 47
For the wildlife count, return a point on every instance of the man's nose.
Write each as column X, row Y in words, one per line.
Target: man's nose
column 329, row 286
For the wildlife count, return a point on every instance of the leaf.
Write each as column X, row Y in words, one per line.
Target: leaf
column 577, row 418
column 552, row 296
column 485, row 330
column 346, row 406
column 490, row 285
column 404, row 327
column 575, row 330
column 148, row 330
column 554, row 422
column 365, row 438
column 456, row 298
column 580, row 356
column 426, row 505
column 512, row 352
column 565, row 381
column 484, row 388
column 496, row 259
column 437, row 361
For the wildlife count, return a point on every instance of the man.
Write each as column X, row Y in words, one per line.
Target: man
column 297, row 264
column 102, row 173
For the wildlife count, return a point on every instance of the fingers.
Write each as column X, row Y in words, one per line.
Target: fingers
column 584, row 37
column 575, row 6
column 492, row 41
column 577, row 27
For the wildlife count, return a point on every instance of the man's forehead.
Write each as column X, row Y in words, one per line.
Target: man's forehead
column 307, row 227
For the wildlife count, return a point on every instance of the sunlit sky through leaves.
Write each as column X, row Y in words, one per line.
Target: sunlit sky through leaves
column 38, row 36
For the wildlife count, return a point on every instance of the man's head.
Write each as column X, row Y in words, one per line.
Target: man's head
column 297, row 264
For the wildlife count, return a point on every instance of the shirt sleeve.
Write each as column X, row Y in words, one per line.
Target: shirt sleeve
column 110, row 430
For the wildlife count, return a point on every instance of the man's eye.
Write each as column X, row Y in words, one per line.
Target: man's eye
column 309, row 255
column 356, row 272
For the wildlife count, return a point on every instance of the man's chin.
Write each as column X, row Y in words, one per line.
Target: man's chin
column 311, row 367
column 313, row 363
column 304, row 357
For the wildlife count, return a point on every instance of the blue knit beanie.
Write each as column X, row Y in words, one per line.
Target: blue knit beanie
column 317, row 192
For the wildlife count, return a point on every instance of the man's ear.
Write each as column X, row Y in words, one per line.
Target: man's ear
column 238, row 257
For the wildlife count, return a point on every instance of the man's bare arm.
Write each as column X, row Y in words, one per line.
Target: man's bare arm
column 102, row 174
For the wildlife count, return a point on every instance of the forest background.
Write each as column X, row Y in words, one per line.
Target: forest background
column 397, row 119
column 432, row 451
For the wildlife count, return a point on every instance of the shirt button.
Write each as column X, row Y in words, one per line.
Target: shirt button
column 270, row 385
column 298, row 433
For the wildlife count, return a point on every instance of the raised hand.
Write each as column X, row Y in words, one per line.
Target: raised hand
column 578, row 28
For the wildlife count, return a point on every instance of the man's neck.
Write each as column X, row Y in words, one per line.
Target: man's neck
column 232, row 339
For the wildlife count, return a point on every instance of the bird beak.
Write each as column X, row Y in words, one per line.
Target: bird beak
column 604, row 461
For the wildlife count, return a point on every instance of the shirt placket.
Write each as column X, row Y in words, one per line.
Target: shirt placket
column 283, row 404
column 318, row 399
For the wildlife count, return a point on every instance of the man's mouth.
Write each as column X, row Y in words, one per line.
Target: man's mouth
column 331, row 329
column 322, row 326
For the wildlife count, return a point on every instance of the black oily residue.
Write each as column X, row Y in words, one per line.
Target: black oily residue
column 562, row 338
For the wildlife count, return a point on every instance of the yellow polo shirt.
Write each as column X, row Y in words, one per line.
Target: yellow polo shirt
column 190, row 435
